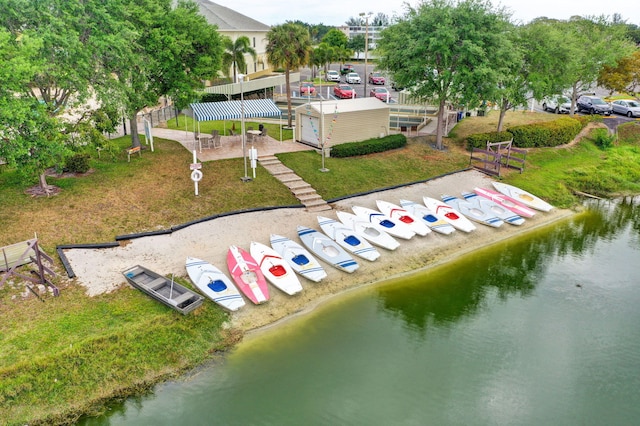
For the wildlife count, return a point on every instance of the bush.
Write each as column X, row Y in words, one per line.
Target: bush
column 603, row 139
column 551, row 133
column 77, row 163
column 369, row 146
column 479, row 140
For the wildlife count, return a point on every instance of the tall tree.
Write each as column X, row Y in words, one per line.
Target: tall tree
column 288, row 46
column 336, row 38
column 235, row 53
column 445, row 51
column 357, row 44
column 624, row 76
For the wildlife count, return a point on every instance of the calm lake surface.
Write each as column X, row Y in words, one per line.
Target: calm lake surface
column 538, row 330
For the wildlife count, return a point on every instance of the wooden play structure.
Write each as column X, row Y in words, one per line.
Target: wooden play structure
column 496, row 156
column 14, row 256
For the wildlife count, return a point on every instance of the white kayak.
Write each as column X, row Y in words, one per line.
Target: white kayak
column 449, row 214
column 502, row 213
column 275, row 269
column 429, row 217
column 505, row 201
column 299, row 258
column 368, row 230
column 214, row 284
column 522, row 196
column 392, row 226
column 348, row 238
column 327, row 249
column 485, row 217
column 396, row 212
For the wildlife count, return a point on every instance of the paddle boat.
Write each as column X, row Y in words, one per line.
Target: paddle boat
column 396, row 212
column 275, row 269
column 368, row 230
column 485, row 217
column 392, row 226
column 214, row 284
column 486, row 204
column 505, row 201
column 430, row 218
column 327, row 249
column 298, row 257
column 348, row 238
column 448, row 213
column 522, row 196
column 247, row 275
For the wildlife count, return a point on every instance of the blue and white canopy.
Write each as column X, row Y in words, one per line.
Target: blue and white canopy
column 232, row 110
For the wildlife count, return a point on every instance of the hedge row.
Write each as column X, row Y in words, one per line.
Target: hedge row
column 369, row 146
column 550, row 133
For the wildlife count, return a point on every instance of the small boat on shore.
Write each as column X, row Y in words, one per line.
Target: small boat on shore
column 348, row 238
column 327, row 249
column 448, row 213
column 163, row 289
column 485, row 217
column 214, row 284
column 247, row 274
column 396, row 212
column 392, row 226
column 486, row 204
column 522, row 196
column 429, row 217
column 505, row 201
column 298, row 257
column 275, row 269
column 368, row 230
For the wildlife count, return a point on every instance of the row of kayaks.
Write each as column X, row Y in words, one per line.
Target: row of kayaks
column 351, row 238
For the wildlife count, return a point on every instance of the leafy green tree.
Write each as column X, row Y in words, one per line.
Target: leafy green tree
column 325, row 54
column 336, row 38
column 357, row 44
column 624, row 76
column 445, row 52
column 288, row 46
column 234, row 55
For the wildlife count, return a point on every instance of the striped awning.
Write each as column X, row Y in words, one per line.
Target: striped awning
column 232, row 110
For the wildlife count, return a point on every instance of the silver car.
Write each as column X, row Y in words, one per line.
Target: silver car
column 353, row 78
column 558, row 104
column 333, row 75
column 627, row 107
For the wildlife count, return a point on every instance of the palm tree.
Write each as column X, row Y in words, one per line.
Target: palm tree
column 234, row 54
column 288, row 46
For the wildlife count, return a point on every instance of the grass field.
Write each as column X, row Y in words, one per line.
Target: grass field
column 72, row 353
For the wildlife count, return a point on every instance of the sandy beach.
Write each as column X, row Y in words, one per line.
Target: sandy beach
column 100, row 270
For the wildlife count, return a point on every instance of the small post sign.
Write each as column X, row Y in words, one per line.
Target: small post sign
column 196, row 173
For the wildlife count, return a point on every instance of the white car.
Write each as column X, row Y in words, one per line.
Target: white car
column 353, row 78
column 558, row 104
column 628, row 107
column 333, row 75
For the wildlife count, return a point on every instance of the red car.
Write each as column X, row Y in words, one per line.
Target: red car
column 381, row 93
column 344, row 91
column 376, row 78
column 307, row 88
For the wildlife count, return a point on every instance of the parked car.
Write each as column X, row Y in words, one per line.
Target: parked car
column 628, row 107
column 381, row 93
column 307, row 88
column 395, row 86
column 593, row 105
column 559, row 104
column 346, row 69
column 332, row 75
column 344, row 91
column 353, row 78
column 376, row 78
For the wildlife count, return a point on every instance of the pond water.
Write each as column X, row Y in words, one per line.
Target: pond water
column 541, row 329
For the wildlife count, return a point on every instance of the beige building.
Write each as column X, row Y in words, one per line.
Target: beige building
column 340, row 121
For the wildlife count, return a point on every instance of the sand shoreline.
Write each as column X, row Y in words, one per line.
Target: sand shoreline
column 99, row 270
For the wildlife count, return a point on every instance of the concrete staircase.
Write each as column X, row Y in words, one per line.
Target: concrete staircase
column 301, row 189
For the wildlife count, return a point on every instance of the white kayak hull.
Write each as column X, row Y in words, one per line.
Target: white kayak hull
column 299, row 258
column 522, row 196
column 348, row 238
column 392, row 226
column 429, row 217
column 398, row 213
column 448, row 213
column 275, row 269
column 214, row 284
column 505, row 201
column 368, row 230
column 473, row 212
column 327, row 249
column 501, row 212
